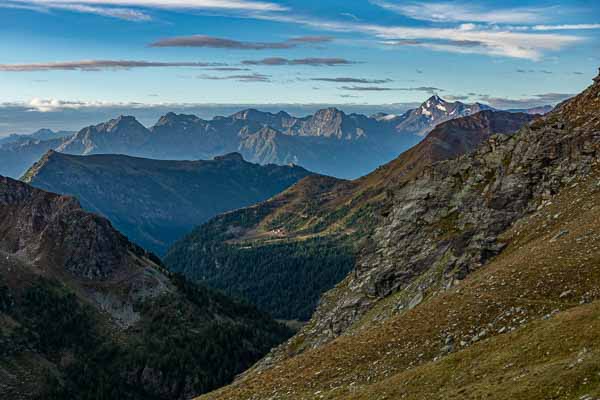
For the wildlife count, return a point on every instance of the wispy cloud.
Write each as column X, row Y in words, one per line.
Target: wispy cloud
column 99, row 65
column 167, row 4
column 51, row 105
column 367, row 88
column 456, row 97
column 533, row 101
column 475, row 40
column 227, row 69
column 316, row 62
column 426, row 89
column 353, row 80
column 572, row 27
column 240, row 78
column 350, row 15
column 221, row 43
column 466, row 38
column 534, row 71
column 130, row 9
column 465, row 12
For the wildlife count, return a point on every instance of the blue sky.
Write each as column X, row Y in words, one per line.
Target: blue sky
column 58, row 55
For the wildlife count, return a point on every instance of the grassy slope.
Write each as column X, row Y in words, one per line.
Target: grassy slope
column 538, row 304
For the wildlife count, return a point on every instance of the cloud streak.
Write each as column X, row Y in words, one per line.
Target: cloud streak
column 534, row 101
column 221, row 43
column 353, row 80
column 315, row 62
column 134, row 10
column 465, row 38
column 463, row 12
column 99, row 65
column 240, row 78
column 247, row 5
column 426, row 89
column 571, row 27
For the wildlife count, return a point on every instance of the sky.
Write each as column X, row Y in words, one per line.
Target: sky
column 68, row 63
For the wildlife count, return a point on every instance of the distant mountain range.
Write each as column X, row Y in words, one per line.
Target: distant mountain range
column 303, row 241
column 42, row 134
column 329, row 142
column 156, row 202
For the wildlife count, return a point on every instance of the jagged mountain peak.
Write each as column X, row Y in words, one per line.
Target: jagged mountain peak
column 257, row 115
column 122, row 121
column 329, row 112
column 173, row 118
column 121, row 135
column 432, row 112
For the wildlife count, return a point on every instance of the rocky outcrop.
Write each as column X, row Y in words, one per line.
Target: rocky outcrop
column 445, row 224
column 54, row 235
column 37, row 223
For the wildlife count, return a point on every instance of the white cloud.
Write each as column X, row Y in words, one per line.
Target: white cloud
column 51, row 105
column 120, row 13
column 491, row 40
column 100, row 65
column 571, row 27
column 122, row 9
column 459, row 12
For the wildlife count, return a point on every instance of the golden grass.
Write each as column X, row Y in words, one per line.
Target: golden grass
column 551, row 267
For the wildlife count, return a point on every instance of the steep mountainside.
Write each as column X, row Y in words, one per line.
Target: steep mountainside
column 329, row 142
column 86, row 314
column 304, row 241
column 481, row 281
column 157, row 202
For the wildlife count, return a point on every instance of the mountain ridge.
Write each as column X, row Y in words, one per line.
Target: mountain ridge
column 358, row 143
column 155, row 202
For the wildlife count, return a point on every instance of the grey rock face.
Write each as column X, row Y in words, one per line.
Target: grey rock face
column 445, row 224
